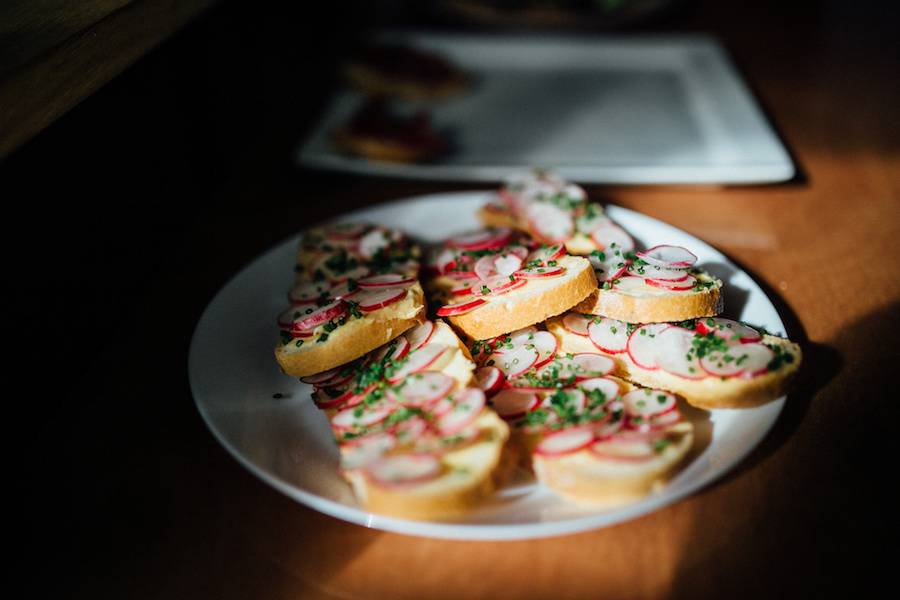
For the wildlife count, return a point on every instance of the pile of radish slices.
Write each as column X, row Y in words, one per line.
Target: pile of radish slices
column 395, row 413
column 570, row 400
column 714, row 347
column 489, row 263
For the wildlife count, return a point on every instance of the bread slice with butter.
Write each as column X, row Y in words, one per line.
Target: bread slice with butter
column 713, row 362
column 417, row 441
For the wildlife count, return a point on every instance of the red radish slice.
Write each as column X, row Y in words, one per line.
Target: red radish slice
column 646, row 402
column 308, row 292
column 588, row 224
column 623, row 450
column 608, row 387
column 627, row 284
column 731, row 331
column 462, row 275
column 657, row 273
column 375, row 299
column 485, row 267
column 538, row 272
column 543, row 341
column 608, row 428
column 674, row 353
column 612, row 237
column 419, row 335
column 514, row 362
column 342, row 291
column 482, row 240
column 462, row 290
column 723, row 364
column 512, row 403
column 355, row 273
column 589, row 365
column 397, row 348
column 361, row 416
column 613, row 266
column 467, row 405
column 321, row 378
column 754, row 358
column 445, row 260
column 674, row 286
column 287, row 316
column 320, row 316
column 546, row 254
column 375, row 240
column 507, row 264
column 516, row 250
column 565, row 442
column 664, row 420
column 386, row 280
column 450, row 310
column 550, row 222
column 577, row 323
column 609, row 335
column 497, row 286
column 423, row 389
column 489, row 379
column 409, row 430
column 574, row 398
column 404, row 469
column 324, row 401
column 668, row 257
column 642, row 344
column 359, row 452
column 417, row 361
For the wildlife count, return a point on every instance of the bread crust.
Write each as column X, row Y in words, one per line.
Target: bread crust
column 708, row 393
column 519, row 309
column 354, row 339
column 708, row 302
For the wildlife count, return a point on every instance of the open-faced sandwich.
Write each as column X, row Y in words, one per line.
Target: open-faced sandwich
column 404, row 72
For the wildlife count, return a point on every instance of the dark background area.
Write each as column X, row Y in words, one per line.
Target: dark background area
column 102, row 211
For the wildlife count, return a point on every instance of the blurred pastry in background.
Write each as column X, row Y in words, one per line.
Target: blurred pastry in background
column 404, row 72
column 379, row 133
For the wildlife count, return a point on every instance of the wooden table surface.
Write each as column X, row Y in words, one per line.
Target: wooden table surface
column 161, row 511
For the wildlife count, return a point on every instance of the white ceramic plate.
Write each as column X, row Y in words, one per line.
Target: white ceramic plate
column 636, row 109
column 287, row 442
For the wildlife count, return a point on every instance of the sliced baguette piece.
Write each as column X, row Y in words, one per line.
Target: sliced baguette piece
column 705, row 391
column 649, row 304
column 354, row 337
column 471, row 461
column 532, row 303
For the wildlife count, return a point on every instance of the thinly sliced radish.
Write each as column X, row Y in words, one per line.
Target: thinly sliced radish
column 543, row 341
column 587, row 224
column 722, row 364
column 674, row 353
column 646, row 402
column 607, row 387
column 627, row 283
column 288, row 316
column 577, row 323
column 342, row 291
column 657, row 273
column 419, row 335
column 332, row 397
column 361, row 416
column 374, row 241
column 550, row 222
column 308, row 292
column 404, row 469
column 461, row 290
column 507, row 264
column 484, row 239
column 386, row 280
column 642, row 344
column 675, row 286
column 423, row 389
column 730, row 331
column 546, row 254
column 565, row 441
column 320, row 316
column 538, row 272
column 609, row 335
column 514, row 362
column 497, row 286
column 489, row 379
column 574, row 398
column 485, row 267
column 359, row 452
column 375, row 299
column 608, row 266
column 755, row 358
column 607, row 428
column 589, row 365
column 653, row 423
column 409, row 430
column 611, row 237
column 445, row 260
column 517, row 250
column 511, row 403
column 622, row 450
column 468, row 404
column 323, row 378
column 395, row 349
column 419, row 360
column 451, row 310
column 462, row 275
column 355, row 273
column 668, row 257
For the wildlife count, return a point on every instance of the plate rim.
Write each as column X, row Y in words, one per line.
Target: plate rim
column 457, row 530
